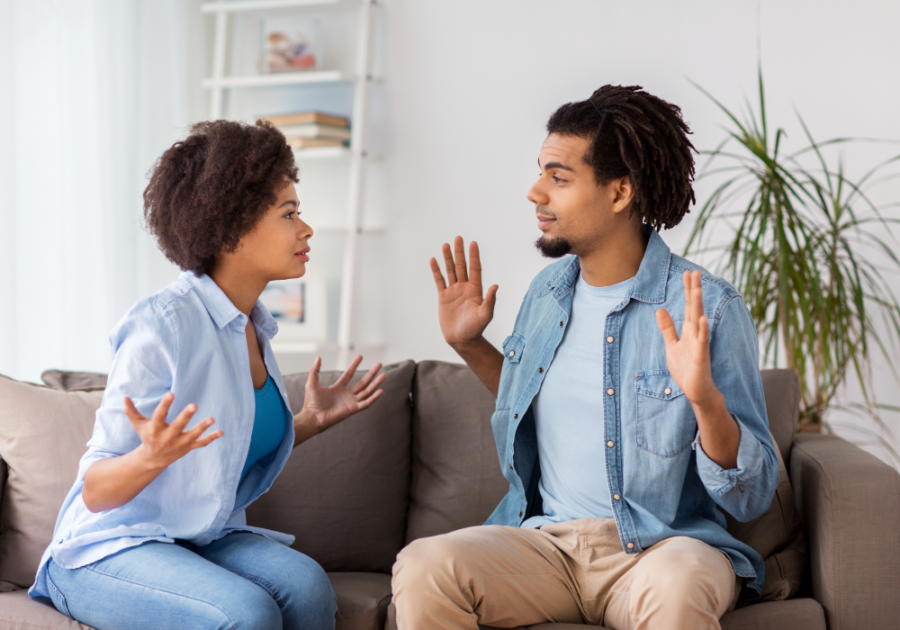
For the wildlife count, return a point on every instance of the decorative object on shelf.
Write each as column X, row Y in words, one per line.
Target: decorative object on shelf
column 290, row 45
column 299, row 142
column 307, row 118
column 312, row 129
column 811, row 253
column 298, row 306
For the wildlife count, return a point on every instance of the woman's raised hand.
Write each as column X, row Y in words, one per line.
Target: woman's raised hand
column 163, row 443
column 324, row 407
column 463, row 311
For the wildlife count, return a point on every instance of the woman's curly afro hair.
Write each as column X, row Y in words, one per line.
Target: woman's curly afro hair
column 210, row 189
column 640, row 135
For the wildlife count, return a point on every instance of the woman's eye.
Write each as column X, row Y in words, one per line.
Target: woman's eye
column 557, row 179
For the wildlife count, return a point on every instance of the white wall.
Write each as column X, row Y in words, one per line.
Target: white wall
column 471, row 84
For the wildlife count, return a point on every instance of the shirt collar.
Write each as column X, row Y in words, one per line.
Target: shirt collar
column 650, row 282
column 222, row 310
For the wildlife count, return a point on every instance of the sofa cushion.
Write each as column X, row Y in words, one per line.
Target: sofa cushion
column 18, row 611
column 456, row 480
column 344, row 494
column 362, row 600
column 782, row 391
column 73, row 381
column 776, row 535
column 43, row 434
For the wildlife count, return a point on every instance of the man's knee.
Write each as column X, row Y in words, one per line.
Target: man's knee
column 427, row 563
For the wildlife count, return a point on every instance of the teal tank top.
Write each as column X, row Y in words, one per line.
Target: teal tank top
column 269, row 424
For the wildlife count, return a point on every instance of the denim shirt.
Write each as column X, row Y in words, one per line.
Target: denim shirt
column 667, row 486
column 188, row 339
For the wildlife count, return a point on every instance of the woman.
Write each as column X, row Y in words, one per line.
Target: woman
column 153, row 534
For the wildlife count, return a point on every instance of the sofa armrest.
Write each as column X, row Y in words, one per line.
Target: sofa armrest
column 849, row 502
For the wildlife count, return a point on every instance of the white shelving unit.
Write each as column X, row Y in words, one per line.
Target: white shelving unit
column 356, row 155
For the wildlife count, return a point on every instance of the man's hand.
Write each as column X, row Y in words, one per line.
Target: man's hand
column 163, row 443
column 463, row 311
column 688, row 359
column 324, row 407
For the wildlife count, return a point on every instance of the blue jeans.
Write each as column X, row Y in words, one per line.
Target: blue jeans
column 242, row 581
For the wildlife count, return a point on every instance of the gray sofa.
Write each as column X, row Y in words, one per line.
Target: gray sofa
column 422, row 462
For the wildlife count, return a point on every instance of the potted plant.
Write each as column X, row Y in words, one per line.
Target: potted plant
column 809, row 251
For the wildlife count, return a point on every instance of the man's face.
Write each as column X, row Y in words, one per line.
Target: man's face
column 573, row 211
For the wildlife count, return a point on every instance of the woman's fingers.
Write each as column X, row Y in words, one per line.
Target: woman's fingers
column 460, row 254
column 364, row 382
column 313, row 378
column 162, row 409
column 134, row 416
column 198, row 430
column 448, row 264
column 179, row 423
column 364, row 404
column 201, row 442
column 365, row 393
column 349, row 372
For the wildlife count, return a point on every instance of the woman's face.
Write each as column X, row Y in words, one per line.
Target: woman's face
column 277, row 247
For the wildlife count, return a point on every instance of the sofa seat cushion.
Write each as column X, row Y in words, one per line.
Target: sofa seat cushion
column 792, row 614
column 362, row 600
column 18, row 611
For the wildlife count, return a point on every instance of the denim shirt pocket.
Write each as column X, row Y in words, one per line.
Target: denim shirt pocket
column 513, row 349
column 665, row 421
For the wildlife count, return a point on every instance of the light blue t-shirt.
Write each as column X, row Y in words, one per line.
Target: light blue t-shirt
column 568, row 413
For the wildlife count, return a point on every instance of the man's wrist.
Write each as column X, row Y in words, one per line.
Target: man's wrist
column 711, row 404
column 469, row 345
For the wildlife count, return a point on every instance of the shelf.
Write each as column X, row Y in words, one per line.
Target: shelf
column 313, row 347
column 321, row 153
column 280, row 78
column 342, row 230
column 261, row 5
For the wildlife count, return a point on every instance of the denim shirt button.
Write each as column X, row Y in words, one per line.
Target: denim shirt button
column 520, row 515
column 610, row 444
column 515, row 416
column 512, row 353
column 560, row 324
column 609, row 340
column 610, row 391
column 630, row 545
column 668, row 390
column 540, row 370
column 616, row 497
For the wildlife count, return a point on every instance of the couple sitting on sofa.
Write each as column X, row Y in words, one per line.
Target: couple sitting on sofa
column 629, row 407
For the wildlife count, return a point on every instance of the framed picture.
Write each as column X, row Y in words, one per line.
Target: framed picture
column 298, row 307
column 290, row 45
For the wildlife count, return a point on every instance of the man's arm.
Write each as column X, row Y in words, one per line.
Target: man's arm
column 464, row 312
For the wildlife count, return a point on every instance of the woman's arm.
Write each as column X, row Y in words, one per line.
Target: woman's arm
column 324, row 407
column 114, row 481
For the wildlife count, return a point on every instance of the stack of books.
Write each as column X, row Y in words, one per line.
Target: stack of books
column 306, row 130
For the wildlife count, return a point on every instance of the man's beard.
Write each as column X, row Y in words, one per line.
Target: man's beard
column 553, row 247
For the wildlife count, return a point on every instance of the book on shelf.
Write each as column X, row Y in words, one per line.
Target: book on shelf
column 315, row 131
column 298, row 142
column 307, row 118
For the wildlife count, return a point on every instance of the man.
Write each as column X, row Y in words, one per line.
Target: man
column 629, row 403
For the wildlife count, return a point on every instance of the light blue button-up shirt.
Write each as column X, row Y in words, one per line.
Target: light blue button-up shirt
column 188, row 339
column 661, row 482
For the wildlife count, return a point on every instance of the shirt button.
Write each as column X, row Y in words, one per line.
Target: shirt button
column 609, row 340
column 511, row 467
column 540, row 370
column 515, row 416
column 610, row 444
column 630, row 545
column 560, row 324
column 668, row 390
column 610, row 391
column 512, row 353
column 520, row 515
column 616, row 497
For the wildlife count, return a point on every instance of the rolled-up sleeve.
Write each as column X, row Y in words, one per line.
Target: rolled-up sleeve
column 745, row 491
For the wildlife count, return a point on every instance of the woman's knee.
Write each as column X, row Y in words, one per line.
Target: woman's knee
column 250, row 608
column 308, row 598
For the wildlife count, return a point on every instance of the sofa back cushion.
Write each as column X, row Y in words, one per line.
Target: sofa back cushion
column 456, row 480
column 43, row 434
column 344, row 493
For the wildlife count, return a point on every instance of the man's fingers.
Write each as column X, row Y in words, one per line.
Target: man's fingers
column 438, row 276
column 364, row 382
column 703, row 332
column 200, row 443
column 697, row 297
column 448, row 264
column 459, row 253
column 666, row 325
column 474, row 264
column 688, row 303
column 349, row 372
column 364, row 394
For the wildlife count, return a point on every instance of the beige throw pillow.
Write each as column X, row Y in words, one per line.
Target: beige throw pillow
column 43, row 434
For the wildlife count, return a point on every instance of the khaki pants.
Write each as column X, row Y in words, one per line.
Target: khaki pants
column 572, row 572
